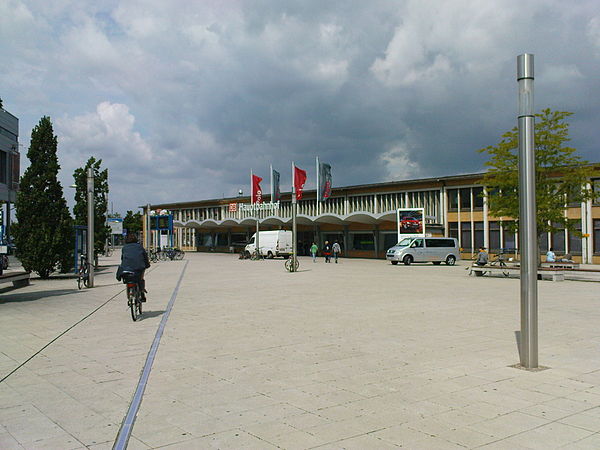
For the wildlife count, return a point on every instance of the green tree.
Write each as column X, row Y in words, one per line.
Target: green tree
column 44, row 235
column 561, row 175
column 101, row 231
column 133, row 222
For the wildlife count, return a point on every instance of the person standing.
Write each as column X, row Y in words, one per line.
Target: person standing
column 327, row 251
column 313, row 251
column 336, row 250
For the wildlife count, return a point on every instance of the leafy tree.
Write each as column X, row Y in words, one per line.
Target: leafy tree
column 101, row 231
column 561, row 175
column 133, row 223
column 44, row 235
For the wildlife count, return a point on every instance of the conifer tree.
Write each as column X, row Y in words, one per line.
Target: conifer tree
column 44, row 236
column 101, row 231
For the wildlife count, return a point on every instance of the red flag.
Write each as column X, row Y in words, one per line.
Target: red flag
column 299, row 180
column 256, row 190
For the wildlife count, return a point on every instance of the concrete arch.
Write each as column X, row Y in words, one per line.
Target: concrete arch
column 388, row 216
column 361, row 217
column 330, row 218
column 272, row 220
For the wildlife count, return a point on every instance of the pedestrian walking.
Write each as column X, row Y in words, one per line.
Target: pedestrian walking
column 313, row 251
column 336, row 250
column 327, row 251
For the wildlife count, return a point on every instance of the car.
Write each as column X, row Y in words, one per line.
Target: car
column 410, row 224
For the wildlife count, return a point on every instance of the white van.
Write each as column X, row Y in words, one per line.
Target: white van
column 424, row 249
column 272, row 243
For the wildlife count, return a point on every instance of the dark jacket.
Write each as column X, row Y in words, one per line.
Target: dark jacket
column 134, row 258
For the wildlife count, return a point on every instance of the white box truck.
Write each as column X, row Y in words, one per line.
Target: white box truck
column 272, row 243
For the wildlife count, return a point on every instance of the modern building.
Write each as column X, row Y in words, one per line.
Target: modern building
column 9, row 163
column 363, row 219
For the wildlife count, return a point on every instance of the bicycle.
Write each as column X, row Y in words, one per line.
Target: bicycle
column 108, row 251
column 154, row 256
column 134, row 293
column 179, row 254
column 83, row 272
column 288, row 264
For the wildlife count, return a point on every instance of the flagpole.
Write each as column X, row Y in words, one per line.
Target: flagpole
column 257, row 238
column 294, row 210
column 318, row 189
column 272, row 190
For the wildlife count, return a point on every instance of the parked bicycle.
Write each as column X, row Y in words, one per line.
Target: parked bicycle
column 83, row 272
column 292, row 263
column 134, row 293
column 154, row 255
column 498, row 261
column 173, row 254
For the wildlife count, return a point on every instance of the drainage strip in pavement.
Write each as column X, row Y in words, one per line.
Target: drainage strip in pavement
column 128, row 422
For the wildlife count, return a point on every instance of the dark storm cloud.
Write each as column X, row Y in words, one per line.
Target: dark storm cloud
column 182, row 99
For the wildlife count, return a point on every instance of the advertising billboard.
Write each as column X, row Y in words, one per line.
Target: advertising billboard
column 411, row 222
column 116, row 225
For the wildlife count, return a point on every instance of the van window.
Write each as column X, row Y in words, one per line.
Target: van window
column 417, row 243
column 439, row 243
column 405, row 242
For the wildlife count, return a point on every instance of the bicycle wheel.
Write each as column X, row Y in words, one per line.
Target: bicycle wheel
column 179, row 255
column 79, row 280
column 138, row 302
column 86, row 276
column 505, row 271
column 288, row 264
column 132, row 301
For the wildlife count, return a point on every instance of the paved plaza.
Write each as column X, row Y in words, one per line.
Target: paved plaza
column 356, row 355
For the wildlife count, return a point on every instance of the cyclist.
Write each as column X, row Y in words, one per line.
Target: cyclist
column 134, row 259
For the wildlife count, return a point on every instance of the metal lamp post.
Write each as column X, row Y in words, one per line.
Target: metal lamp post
column 527, row 215
column 294, row 225
column 90, row 233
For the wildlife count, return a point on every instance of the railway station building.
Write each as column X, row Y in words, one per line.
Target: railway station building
column 363, row 219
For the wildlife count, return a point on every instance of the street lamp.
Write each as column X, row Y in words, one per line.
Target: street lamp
column 90, row 196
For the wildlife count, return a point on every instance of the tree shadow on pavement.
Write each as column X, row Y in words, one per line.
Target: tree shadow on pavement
column 151, row 314
column 19, row 297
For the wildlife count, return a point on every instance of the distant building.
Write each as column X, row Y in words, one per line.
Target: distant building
column 9, row 164
column 363, row 219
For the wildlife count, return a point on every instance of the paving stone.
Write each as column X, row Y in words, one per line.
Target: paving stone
column 249, row 364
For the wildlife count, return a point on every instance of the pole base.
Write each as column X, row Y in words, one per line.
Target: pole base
column 533, row 369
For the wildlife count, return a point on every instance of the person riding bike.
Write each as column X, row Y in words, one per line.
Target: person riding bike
column 134, row 259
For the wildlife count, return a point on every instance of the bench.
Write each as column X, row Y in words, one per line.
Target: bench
column 543, row 273
column 560, row 265
column 18, row 279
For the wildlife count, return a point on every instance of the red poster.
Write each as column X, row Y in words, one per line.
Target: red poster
column 256, row 190
column 299, row 180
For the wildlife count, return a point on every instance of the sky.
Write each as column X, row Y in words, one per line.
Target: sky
column 182, row 99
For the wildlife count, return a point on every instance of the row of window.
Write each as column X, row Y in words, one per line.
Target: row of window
column 465, row 198
column 561, row 241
